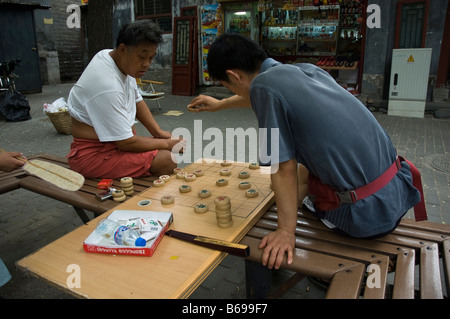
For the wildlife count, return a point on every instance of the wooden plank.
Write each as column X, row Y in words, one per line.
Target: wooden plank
column 314, row 229
column 446, row 261
column 375, row 287
column 401, row 245
column 309, row 221
column 422, row 234
column 404, row 275
column 17, row 173
column 308, row 263
column 346, row 284
column 78, row 199
column 316, row 244
column 9, row 184
column 426, row 225
column 52, row 158
column 430, row 275
column 83, row 199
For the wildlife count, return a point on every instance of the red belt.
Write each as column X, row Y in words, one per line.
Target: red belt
column 326, row 198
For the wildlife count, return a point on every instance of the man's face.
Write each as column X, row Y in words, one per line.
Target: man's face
column 136, row 60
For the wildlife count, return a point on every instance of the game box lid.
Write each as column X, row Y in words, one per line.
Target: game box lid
column 96, row 243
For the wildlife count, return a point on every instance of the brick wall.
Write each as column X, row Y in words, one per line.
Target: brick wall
column 70, row 43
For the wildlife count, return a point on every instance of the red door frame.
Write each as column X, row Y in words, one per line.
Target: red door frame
column 187, row 11
column 182, row 83
column 444, row 59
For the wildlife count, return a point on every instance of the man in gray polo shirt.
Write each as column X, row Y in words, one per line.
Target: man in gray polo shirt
column 327, row 140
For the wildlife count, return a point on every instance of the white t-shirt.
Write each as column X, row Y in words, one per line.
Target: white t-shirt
column 105, row 99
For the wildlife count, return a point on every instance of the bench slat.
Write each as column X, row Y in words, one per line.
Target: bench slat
column 375, row 287
column 316, row 230
column 9, row 184
column 404, row 275
column 412, row 244
column 430, row 275
column 346, row 284
column 446, row 261
column 315, row 244
column 84, row 198
column 79, row 199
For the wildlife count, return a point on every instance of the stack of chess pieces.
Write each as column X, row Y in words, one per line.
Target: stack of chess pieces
column 222, row 203
column 223, row 211
column 127, row 189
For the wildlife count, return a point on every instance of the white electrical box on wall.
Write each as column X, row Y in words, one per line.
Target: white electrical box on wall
column 409, row 82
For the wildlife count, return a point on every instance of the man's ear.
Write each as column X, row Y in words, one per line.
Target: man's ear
column 235, row 75
column 121, row 49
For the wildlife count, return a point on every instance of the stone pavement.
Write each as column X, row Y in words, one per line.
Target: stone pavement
column 29, row 221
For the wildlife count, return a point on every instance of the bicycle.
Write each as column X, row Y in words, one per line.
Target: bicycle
column 14, row 106
column 7, row 77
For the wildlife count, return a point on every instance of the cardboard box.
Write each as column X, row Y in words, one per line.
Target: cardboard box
column 96, row 243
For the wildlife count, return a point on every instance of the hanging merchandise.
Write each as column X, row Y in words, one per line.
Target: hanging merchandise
column 210, row 30
column 327, row 33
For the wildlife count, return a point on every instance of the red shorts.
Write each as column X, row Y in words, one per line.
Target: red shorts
column 95, row 159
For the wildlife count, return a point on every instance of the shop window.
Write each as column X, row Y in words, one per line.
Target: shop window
column 411, row 24
column 159, row 11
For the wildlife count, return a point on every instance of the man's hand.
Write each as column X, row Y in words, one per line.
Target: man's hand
column 9, row 161
column 177, row 144
column 207, row 103
column 282, row 241
column 163, row 134
column 204, row 103
column 276, row 245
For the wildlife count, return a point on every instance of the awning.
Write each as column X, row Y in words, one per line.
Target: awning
column 25, row 3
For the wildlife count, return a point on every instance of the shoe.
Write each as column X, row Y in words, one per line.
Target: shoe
column 308, row 204
column 331, row 61
column 350, row 63
column 323, row 61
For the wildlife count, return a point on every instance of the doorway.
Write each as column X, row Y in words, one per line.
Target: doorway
column 185, row 53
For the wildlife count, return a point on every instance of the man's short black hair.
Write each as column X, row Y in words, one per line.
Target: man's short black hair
column 234, row 51
column 140, row 31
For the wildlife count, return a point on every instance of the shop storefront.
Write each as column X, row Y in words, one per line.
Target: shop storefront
column 329, row 34
column 226, row 16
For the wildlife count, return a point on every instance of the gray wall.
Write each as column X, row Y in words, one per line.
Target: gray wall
column 380, row 43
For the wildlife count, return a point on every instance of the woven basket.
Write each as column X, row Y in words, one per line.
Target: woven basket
column 61, row 121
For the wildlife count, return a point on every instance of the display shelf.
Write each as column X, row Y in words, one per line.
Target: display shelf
column 335, row 30
column 318, row 30
column 354, row 67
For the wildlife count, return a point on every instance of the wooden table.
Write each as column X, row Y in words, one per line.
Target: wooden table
column 175, row 270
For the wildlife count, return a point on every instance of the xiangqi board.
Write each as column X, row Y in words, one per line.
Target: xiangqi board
column 211, row 179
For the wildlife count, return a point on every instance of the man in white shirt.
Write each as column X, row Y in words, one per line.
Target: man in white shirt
column 104, row 104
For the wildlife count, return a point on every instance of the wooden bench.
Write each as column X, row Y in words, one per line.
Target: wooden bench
column 81, row 200
column 11, row 180
column 413, row 248
column 421, row 248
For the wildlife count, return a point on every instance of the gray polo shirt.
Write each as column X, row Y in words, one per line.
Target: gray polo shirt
column 336, row 137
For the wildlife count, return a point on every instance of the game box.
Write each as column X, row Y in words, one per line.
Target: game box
column 96, row 243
